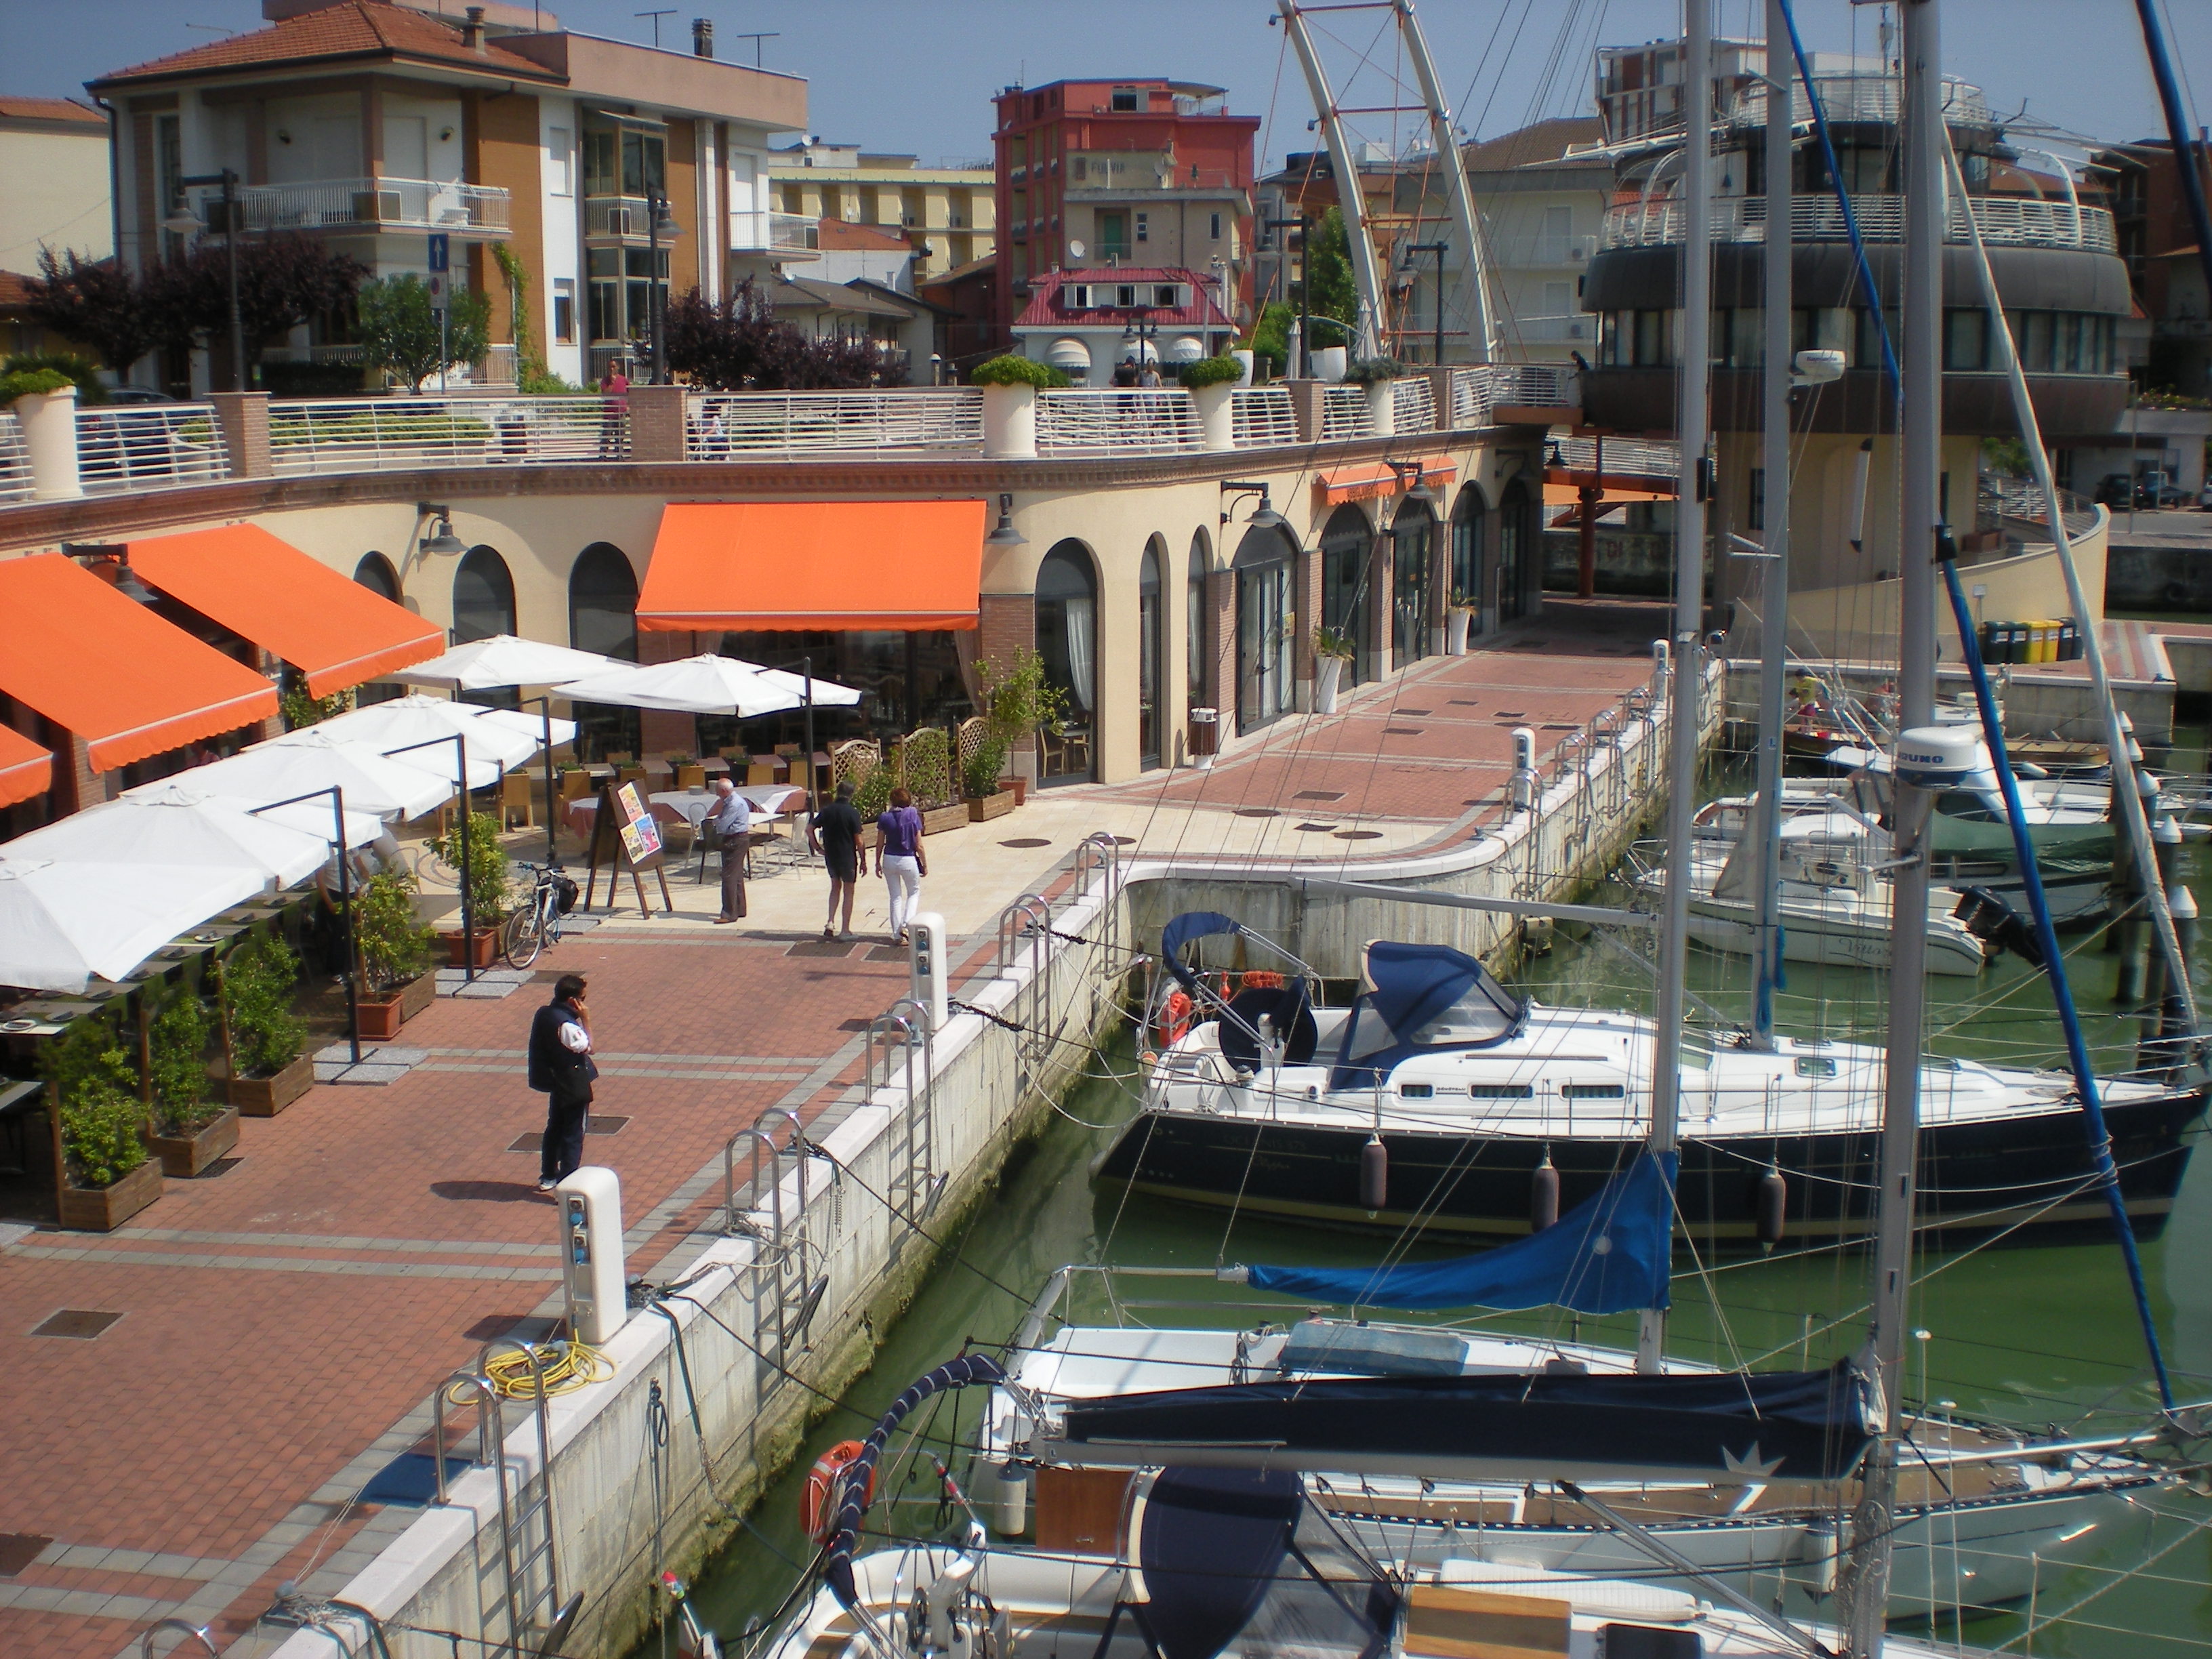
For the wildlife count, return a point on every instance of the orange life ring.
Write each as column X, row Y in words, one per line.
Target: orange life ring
column 1262, row 979
column 1174, row 1022
column 818, row 1502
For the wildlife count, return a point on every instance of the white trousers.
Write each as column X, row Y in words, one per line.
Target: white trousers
column 904, row 877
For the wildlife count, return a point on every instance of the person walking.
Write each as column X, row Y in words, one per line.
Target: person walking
column 899, row 860
column 561, row 1068
column 834, row 833
column 730, row 824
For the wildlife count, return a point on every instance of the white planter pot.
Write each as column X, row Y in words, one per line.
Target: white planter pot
column 1217, row 423
column 1382, row 408
column 1456, row 627
column 1329, row 362
column 1009, row 421
column 1244, row 361
column 49, row 423
column 1328, row 673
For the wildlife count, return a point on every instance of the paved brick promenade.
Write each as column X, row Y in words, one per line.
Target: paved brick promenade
column 283, row 1324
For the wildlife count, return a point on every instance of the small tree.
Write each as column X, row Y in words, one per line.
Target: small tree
column 177, row 1052
column 1330, row 290
column 97, row 302
column 739, row 345
column 395, row 946
column 101, row 1114
column 399, row 330
column 488, row 866
column 259, row 979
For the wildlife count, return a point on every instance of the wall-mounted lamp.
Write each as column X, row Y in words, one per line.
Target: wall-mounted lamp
column 283, row 135
column 445, row 135
column 1264, row 516
column 1419, row 491
column 1554, row 460
column 1006, row 535
column 441, row 539
column 111, row 564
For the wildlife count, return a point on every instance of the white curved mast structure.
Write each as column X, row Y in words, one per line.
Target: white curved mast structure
column 1367, row 277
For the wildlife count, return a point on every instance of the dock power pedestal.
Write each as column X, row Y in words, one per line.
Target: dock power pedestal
column 592, row 1260
column 928, row 967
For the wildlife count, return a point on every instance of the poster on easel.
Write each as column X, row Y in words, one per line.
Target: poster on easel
column 625, row 835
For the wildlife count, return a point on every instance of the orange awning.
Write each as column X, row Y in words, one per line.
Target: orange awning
column 332, row 629
column 110, row 671
column 1364, row 484
column 1567, row 495
column 764, row 565
column 26, row 769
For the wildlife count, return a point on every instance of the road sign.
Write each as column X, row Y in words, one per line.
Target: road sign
column 441, row 251
column 437, row 286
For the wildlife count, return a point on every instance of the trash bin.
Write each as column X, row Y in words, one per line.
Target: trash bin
column 1204, row 735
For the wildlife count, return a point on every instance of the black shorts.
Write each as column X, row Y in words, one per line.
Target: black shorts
column 843, row 867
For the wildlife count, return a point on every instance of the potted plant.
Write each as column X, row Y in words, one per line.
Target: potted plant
column 1213, row 383
column 987, row 798
column 872, row 798
column 487, row 879
column 45, row 402
column 1459, row 621
column 1332, row 650
column 686, row 772
column 1018, row 699
column 574, row 783
column 93, row 1091
column 263, row 1037
column 1379, row 375
column 1010, row 388
column 190, row 1130
column 395, row 952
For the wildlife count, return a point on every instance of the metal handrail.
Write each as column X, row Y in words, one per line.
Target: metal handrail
column 1031, row 907
column 544, row 1468
column 491, row 1443
column 732, row 1222
column 197, row 1633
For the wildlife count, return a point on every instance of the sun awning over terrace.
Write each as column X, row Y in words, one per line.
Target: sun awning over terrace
column 1365, row 483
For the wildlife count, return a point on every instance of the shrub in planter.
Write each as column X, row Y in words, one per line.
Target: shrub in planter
column 1209, row 371
column 31, row 383
column 191, row 1131
column 873, row 796
column 1010, row 370
column 1372, row 371
column 395, row 947
column 101, row 1114
column 84, row 374
column 488, row 872
column 980, row 777
column 1018, row 699
column 268, row 1071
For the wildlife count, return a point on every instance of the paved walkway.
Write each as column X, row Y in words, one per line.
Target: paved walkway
column 277, row 1329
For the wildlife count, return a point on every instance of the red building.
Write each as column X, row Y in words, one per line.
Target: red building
column 1096, row 175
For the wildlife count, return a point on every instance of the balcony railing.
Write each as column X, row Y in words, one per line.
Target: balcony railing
column 729, row 426
column 2005, row 220
column 150, row 447
column 763, row 232
column 1343, row 414
column 1261, row 415
column 366, row 204
column 363, row 434
column 1413, row 405
column 1115, row 422
column 1548, row 252
column 15, row 460
column 1641, row 458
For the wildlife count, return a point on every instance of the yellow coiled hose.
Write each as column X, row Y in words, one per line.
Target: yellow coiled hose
column 567, row 1366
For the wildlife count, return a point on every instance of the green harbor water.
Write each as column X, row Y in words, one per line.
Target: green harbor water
column 2038, row 1337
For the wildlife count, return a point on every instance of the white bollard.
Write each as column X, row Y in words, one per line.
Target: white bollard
column 592, row 1253
column 927, row 967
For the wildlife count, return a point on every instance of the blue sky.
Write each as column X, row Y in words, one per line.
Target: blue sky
column 918, row 77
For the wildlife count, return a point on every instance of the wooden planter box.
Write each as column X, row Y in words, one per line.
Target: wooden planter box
column 1019, row 785
column 936, row 820
column 486, row 946
column 103, row 1209
column 981, row 809
column 185, row 1155
column 265, row 1097
column 417, row 995
column 381, row 1018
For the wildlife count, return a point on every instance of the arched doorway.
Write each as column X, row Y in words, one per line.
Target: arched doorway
column 1266, row 625
column 1466, row 555
column 1515, row 543
column 1067, row 639
column 1148, row 654
column 1198, row 653
column 1347, row 543
column 603, row 618
column 374, row 573
column 1413, row 537
column 483, row 596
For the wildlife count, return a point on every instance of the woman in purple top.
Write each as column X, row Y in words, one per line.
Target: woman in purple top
column 899, row 859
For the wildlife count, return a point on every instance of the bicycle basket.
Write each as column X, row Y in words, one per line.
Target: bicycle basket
column 565, row 893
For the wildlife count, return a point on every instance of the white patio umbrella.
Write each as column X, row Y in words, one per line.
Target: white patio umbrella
column 504, row 660
column 709, row 685
column 536, row 728
column 171, row 825
column 62, row 924
column 312, row 817
column 405, row 786
column 419, row 718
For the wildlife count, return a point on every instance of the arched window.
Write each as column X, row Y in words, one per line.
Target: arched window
column 603, row 602
column 1413, row 537
column 1148, row 654
column 1198, row 627
column 1067, row 639
column 1515, row 541
column 1267, row 629
column 1347, row 543
column 1466, row 555
column 374, row 573
column 483, row 596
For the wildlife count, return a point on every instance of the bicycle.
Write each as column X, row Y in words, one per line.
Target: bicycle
column 537, row 923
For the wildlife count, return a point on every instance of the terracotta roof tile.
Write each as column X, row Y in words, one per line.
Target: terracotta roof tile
column 1544, row 142
column 15, row 290
column 353, row 28
column 49, row 109
column 1045, row 311
column 843, row 234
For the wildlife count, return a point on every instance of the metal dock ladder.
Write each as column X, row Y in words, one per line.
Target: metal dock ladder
column 530, row 1574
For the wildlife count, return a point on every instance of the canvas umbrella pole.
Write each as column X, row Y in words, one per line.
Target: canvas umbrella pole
column 806, row 667
column 545, row 708
column 345, row 905
column 468, row 810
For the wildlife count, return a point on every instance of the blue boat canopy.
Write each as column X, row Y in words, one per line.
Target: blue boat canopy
column 1181, row 930
column 1422, row 997
column 1609, row 1254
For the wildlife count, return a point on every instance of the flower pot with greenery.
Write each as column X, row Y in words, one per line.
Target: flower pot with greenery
column 190, row 1130
column 487, row 877
column 1213, row 383
column 1379, row 376
column 45, row 404
column 574, row 782
column 1332, row 651
column 264, row 1039
column 1459, row 621
column 93, row 1090
column 395, row 952
column 1009, row 386
column 987, row 797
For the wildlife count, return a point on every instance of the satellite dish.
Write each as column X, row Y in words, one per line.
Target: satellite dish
column 1075, row 249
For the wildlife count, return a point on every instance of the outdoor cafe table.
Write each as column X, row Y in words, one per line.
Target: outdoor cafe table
column 691, row 805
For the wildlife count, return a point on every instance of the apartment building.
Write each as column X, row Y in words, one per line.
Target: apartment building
column 380, row 126
column 947, row 214
column 53, row 181
column 1096, row 175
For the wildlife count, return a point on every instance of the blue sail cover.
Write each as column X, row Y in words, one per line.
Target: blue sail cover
column 1181, row 930
column 1610, row 1253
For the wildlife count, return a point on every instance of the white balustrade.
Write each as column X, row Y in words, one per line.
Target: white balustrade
column 1343, row 414
column 383, row 203
column 1642, row 458
column 1263, row 416
column 1416, row 405
column 362, row 434
column 1471, row 396
column 1115, row 422
column 722, row 426
column 2005, row 221
column 148, row 446
column 15, row 460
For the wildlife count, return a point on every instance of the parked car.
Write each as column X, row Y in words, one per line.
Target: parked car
column 2157, row 489
column 138, row 394
column 2114, row 489
column 2204, row 496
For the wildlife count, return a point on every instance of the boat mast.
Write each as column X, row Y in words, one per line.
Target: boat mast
column 1866, row 1587
column 1691, row 420
column 1774, row 596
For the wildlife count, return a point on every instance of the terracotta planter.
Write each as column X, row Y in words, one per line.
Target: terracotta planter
column 185, row 1155
column 103, row 1209
column 381, row 1018
column 417, row 995
column 981, row 809
column 486, row 946
column 265, row 1097
column 936, row 820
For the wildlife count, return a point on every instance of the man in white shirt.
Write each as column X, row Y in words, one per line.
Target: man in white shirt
column 561, row 1065
column 729, row 823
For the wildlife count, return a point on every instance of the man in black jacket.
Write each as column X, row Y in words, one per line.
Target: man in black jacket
column 561, row 1066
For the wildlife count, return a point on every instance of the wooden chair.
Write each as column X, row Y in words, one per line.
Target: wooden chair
column 691, row 777
column 517, row 794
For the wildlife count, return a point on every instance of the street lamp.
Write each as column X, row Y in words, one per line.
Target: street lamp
column 1304, row 225
column 1438, row 249
column 658, row 223
column 183, row 221
column 1141, row 333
